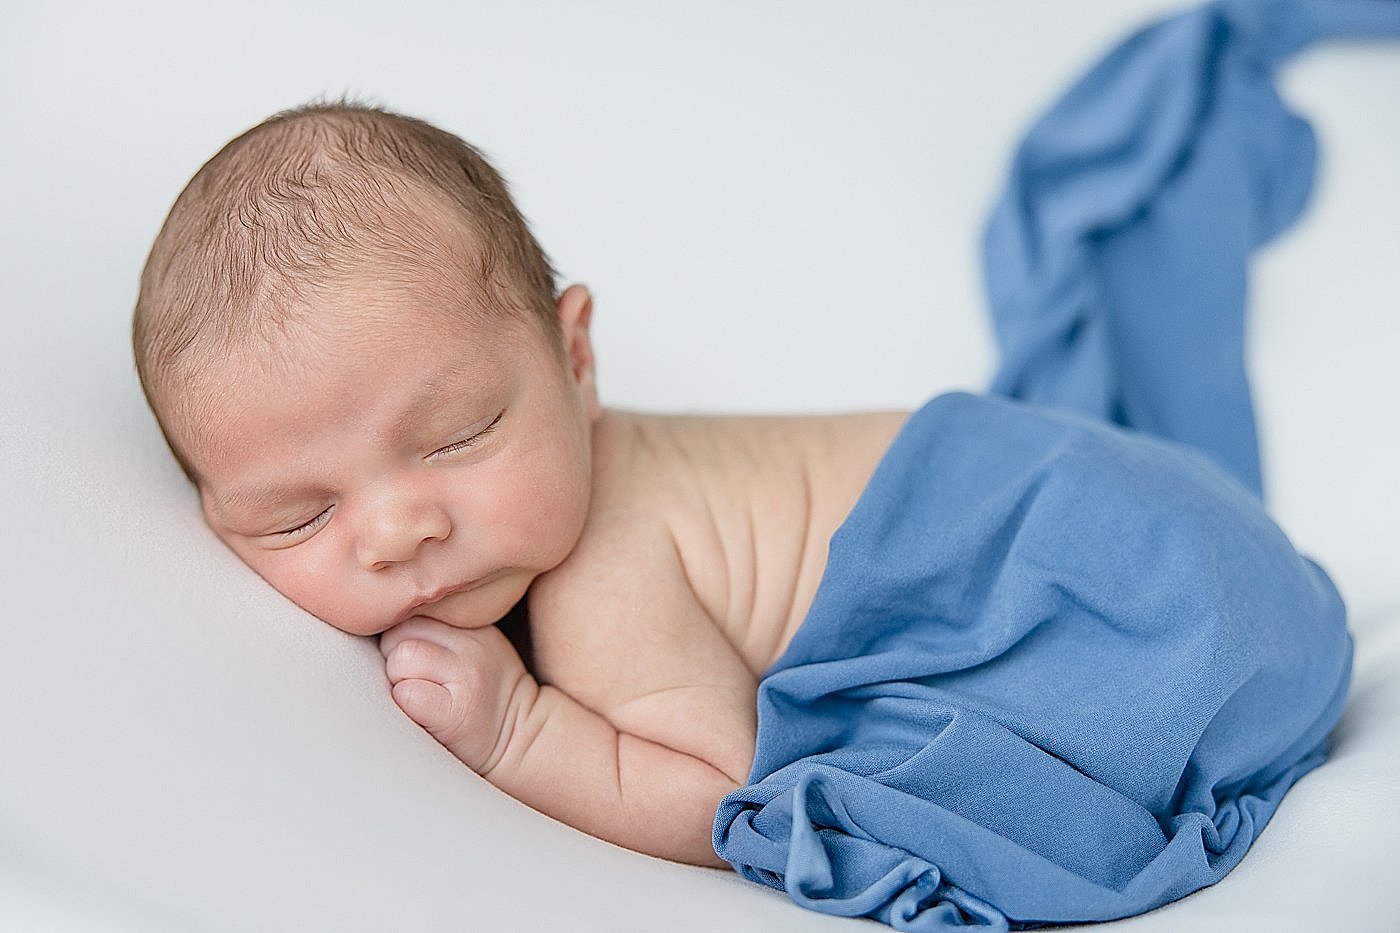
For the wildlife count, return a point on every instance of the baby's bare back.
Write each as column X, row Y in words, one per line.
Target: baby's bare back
column 705, row 541
column 751, row 503
column 747, row 504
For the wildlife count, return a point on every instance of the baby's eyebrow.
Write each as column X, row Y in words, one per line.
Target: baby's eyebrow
column 261, row 497
column 429, row 401
column 443, row 396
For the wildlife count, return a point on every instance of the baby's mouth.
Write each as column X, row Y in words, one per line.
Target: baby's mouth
column 433, row 597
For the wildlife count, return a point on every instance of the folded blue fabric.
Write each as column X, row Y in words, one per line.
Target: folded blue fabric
column 1115, row 259
column 1055, row 671
column 1058, row 670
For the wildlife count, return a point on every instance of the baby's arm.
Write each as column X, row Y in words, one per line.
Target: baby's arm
column 677, row 737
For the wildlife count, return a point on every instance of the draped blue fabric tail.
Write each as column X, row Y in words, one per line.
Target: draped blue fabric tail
column 1062, row 666
column 1115, row 261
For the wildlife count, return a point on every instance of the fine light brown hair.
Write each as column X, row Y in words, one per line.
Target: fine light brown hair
column 310, row 196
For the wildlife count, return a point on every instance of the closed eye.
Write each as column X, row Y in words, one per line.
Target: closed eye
column 467, row 443
column 306, row 527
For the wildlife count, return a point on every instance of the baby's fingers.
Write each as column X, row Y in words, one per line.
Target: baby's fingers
column 456, row 684
column 429, row 704
column 414, row 658
column 417, row 629
column 446, row 693
column 432, row 685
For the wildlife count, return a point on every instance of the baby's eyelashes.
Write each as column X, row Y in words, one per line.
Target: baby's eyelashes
column 468, row 442
column 305, row 529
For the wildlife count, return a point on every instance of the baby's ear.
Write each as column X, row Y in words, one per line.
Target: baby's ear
column 575, row 312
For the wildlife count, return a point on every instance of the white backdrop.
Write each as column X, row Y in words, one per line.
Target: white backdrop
column 778, row 206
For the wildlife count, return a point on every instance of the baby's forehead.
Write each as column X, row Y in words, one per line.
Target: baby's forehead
column 377, row 308
column 432, row 279
column 370, row 377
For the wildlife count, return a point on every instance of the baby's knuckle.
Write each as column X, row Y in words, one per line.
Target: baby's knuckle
column 419, row 657
column 409, row 650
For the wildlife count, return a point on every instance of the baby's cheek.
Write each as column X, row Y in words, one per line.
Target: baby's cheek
column 343, row 608
column 557, row 502
column 315, row 583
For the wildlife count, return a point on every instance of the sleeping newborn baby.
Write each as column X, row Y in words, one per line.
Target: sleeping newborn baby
column 358, row 354
column 986, row 659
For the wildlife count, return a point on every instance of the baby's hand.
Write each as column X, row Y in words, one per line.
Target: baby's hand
column 458, row 684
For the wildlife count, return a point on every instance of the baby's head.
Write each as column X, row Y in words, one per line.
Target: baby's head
column 354, row 347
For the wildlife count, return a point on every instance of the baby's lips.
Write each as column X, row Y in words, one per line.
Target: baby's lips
column 432, row 597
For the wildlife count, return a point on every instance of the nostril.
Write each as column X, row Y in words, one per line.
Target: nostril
column 394, row 532
column 439, row 527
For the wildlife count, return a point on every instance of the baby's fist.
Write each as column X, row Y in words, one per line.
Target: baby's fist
column 458, row 684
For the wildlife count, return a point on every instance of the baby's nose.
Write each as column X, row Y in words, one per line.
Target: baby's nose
column 393, row 530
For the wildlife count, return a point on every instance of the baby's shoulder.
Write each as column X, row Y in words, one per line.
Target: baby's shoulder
column 627, row 531
column 704, row 533
column 624, row 578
